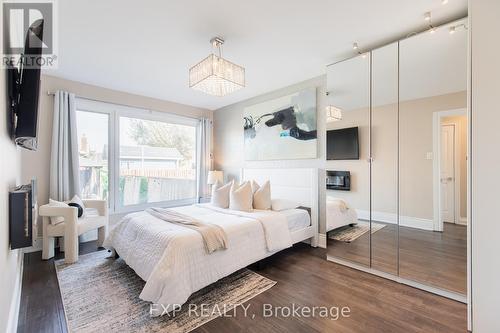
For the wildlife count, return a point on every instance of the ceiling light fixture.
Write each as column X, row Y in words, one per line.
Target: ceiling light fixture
column 355, row 46
column 215, row 75
column 333, row 113
column 444, row 2
column 427, row 16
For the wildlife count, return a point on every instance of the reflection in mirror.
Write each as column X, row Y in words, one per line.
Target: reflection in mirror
column 433, row 153
column 347, row 168
column 384, row 147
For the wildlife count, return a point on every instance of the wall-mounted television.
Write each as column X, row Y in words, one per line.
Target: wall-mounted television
column 342, row 144
column 24, row 88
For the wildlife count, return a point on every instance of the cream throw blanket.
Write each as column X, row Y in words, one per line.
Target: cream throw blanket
column 213, row 235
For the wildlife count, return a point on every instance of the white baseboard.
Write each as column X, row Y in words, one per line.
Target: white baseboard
column 16, row 297
column 404, row 221
column 322, row 241
column 462, row 220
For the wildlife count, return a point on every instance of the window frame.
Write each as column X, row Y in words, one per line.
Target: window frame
column 115, row 112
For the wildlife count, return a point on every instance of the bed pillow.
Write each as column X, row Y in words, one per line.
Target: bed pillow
column 220, row 195
column 57, row 219
column 261, row 195
column 283, row 204
column 241, row 197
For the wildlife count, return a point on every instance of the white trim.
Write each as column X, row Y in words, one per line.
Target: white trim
column 436, row 169
column 392, row 218
column 322, row 241
column 448, row 294
column 462, row 220
column 16, row 297
column 114, row 112
column 84, row 104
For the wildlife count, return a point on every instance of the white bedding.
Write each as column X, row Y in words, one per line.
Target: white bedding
column 172, row 259
column 339, row 214
column 297, row 219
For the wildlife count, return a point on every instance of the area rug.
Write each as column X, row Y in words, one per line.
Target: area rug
column 102, row 295
column 350, row 233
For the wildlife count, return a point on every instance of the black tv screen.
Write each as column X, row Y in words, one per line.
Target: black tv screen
column 29, row 88
column 342, row 144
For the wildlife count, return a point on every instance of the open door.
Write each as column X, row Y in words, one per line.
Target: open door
column 447, row 178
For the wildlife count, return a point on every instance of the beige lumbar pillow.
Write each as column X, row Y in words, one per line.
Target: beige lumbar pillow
column 220, row 194
column 261, row 195
column 240, row 197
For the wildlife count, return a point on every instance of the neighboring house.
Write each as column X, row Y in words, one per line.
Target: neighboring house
column 140, row 157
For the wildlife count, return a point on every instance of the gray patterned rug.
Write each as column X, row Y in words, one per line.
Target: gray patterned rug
column 102, row 295
column 350, row 233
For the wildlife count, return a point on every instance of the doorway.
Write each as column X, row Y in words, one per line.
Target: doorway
column 447, row 170
column 450, row 168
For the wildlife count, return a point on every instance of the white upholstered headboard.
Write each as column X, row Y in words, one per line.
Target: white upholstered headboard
column 297, row 184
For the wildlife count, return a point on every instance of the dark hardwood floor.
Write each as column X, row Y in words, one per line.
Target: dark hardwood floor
column 304, row 278
column 433, row 258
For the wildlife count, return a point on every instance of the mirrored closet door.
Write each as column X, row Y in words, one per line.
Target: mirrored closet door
column 433, row 158
column 348, row 181
column 397, row 160
column 384, row 168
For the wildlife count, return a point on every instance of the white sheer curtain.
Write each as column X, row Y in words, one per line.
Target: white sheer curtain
column 64, row 164
column 205, row 157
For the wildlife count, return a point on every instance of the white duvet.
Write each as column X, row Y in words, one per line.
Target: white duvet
column 172, row 259
column 339, row 214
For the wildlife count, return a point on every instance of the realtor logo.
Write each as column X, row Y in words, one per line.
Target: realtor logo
column 29, row 38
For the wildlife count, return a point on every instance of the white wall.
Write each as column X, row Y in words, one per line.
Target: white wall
column 228, row 138
column 36, row 164
column 10, row 261
column 485, row 48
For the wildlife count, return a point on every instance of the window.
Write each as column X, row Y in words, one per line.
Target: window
column 92, row 132
column 135, row 158
column 157, row 161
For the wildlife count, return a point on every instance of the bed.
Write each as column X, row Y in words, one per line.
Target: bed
column 339, row 214
column 172, row 259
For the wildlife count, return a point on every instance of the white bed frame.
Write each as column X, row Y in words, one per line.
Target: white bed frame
column 298, row 184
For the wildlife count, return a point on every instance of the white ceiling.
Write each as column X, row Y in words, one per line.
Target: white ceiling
column 146, row 47
column 429, row 65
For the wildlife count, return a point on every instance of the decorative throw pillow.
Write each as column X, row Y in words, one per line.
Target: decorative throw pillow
column 80, row 209
column 283, row 204
column 77, row 202
column 241, row 197
column 261, row 195
column 220, row 194
column 54, row 203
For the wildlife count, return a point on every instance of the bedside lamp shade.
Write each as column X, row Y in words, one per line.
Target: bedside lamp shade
column 214, row 176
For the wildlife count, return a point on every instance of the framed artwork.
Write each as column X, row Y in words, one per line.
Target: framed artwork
column 283, row 128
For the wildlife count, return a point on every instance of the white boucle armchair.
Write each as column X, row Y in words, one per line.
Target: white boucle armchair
column 72, row 227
